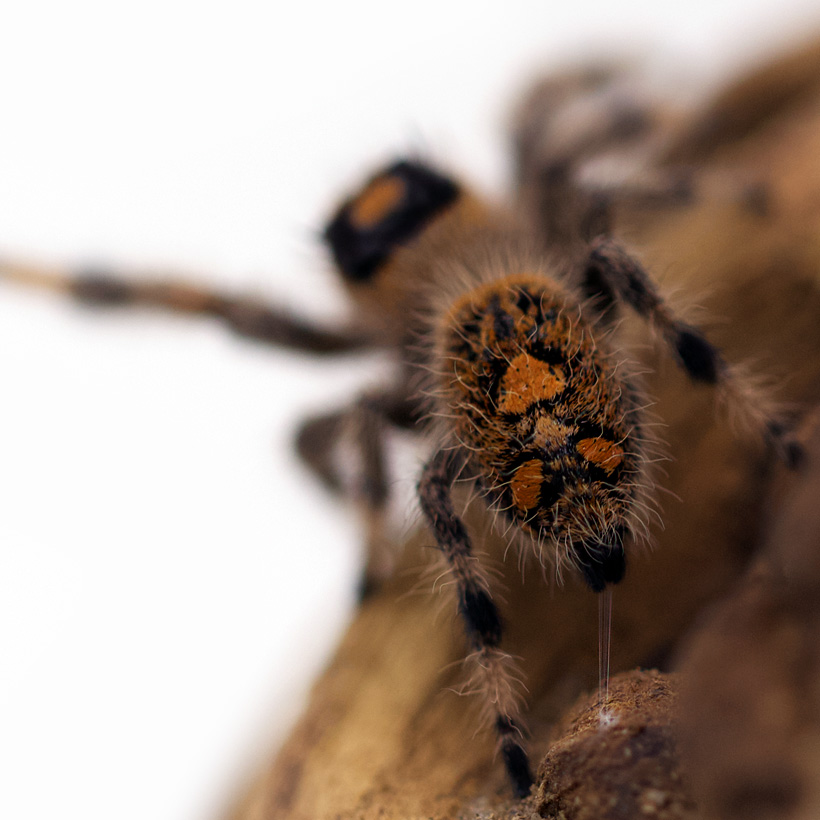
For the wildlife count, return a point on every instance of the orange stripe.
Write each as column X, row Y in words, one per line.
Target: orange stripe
column 376, row 201
column 602, row 452
column 526, row 381
column 526, row 485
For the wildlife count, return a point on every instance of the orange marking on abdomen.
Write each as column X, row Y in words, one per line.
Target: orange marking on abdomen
column 526, row 485
column 526, row 381
column 600, row 451
column 376, row 201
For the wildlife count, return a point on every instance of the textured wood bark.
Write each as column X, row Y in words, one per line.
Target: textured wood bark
column 385, row 734
column 750, row 723
column 626, row 765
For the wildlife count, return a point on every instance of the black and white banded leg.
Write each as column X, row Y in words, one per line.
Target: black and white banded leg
column 482, row 623
column 612, row 275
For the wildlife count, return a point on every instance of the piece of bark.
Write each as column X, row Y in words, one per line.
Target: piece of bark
column 751, row 717
column 621, row 763
column 385, row 735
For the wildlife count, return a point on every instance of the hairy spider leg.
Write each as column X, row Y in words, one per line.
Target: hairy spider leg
column 482, row 623
column 364, row 423
column 318, row 438
column 612, row 275
column 248, row 317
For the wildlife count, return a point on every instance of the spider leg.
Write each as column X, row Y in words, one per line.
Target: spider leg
column 567, row 208
column 574, row 116
column 246, row 317
column 363, row 424
column 596, row 140
column 612, row 275
column 681, row 187
column 482, row 622
column 315, row 442
column 371, row 490
column 656, row 189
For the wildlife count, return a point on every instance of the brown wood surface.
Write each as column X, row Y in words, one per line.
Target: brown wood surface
column 385, row 735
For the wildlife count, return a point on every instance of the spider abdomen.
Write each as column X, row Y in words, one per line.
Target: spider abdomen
column 543, row 412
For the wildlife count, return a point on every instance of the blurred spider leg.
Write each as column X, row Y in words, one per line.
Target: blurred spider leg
column 364, row 425
column 568, row 207
column 554, row 126
column 611, row 274
column 563, row 211
column 664, row 189
column 682, row 187
column 247, row 317
column 372, row 491
column 482, row 623
column 315, row 442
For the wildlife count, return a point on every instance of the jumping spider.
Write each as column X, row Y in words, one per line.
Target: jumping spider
column 504, row 322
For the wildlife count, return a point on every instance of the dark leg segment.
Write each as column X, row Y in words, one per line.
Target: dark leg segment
column 246, row 317
column 482, row 622
column 315, row 443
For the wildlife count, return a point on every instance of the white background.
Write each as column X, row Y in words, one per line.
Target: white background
column 170, row 577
